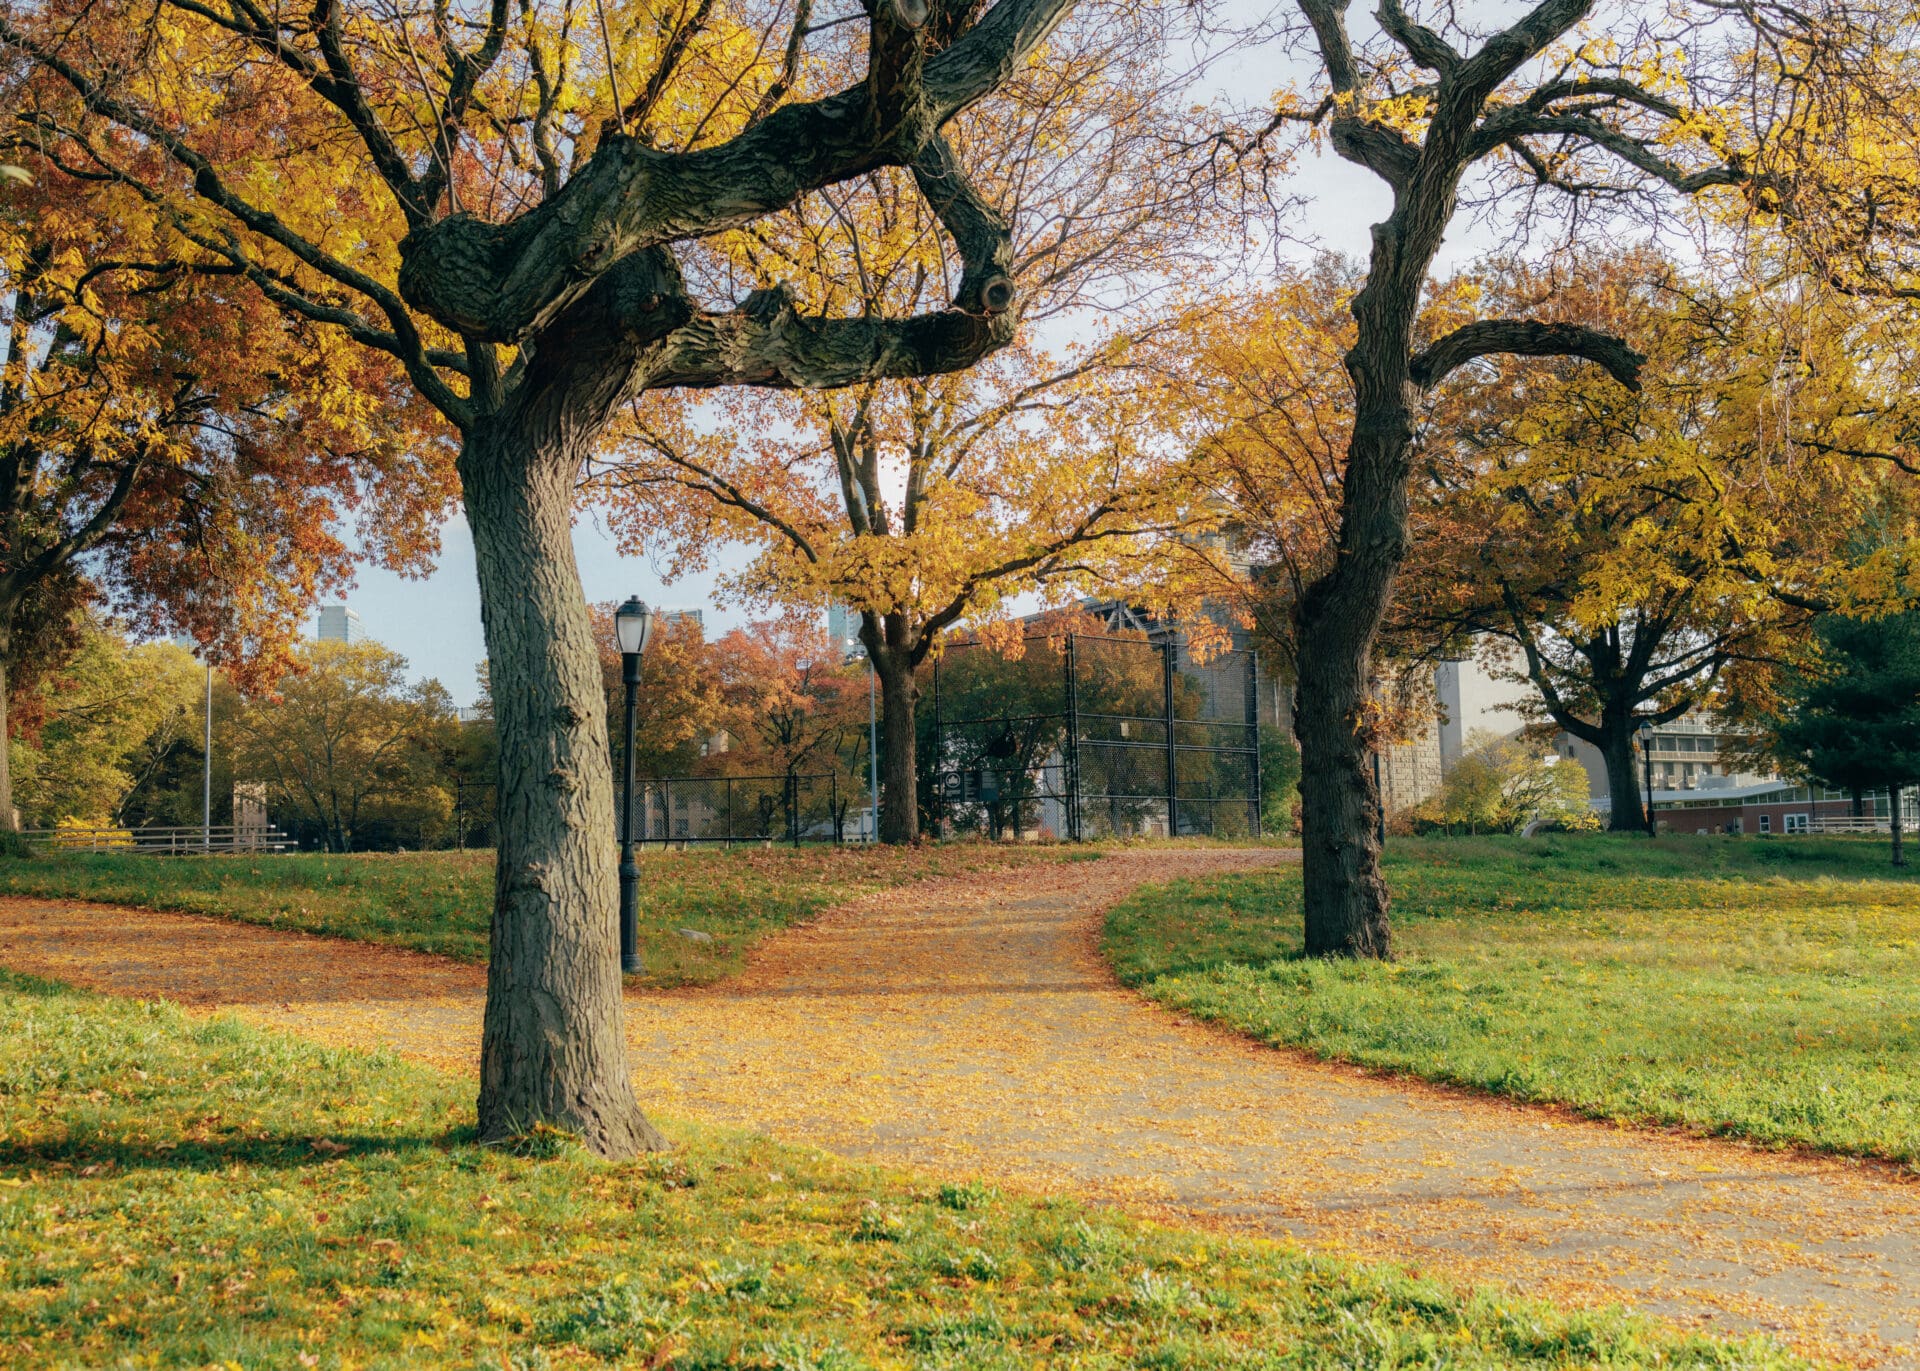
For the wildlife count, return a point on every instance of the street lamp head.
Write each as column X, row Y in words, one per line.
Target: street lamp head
column 1646, row 732
column 633, row 626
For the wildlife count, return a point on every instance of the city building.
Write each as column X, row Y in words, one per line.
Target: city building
column 338, row 624
column 1768, row 807
column 694, row 619
column 1692, row 753
column 843, row 628
column 1473, row 700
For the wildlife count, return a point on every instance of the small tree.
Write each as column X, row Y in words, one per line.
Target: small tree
column 1850, row 716
column 348, row 743
column 1500, row 785
column 789, row 699
column 680, row 705
column 104, row 719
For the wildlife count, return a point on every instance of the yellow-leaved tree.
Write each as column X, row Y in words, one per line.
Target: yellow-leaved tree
column 1637, row 554
column 921, row 501
column 1566, row 108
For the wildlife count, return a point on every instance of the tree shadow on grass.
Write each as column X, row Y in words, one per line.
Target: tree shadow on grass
column 104, row 1155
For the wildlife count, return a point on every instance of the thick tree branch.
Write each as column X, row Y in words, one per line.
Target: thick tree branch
column 1422, row 44
column 1525, row 338
column 505, row 282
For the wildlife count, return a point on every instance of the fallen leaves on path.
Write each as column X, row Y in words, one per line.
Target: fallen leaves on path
column 967, row 1026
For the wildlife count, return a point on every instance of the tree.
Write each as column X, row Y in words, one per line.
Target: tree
column 1849, row 715
column 1638, row 551
column 921, row 501
column 171, row 445
column 102, row 720
column 1552, row 104
column 789, row 697
column 348, row 743
column 1500, row 785
column 521, row 220
column 681, row 703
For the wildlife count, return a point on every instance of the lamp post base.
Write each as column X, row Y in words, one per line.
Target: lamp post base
column 631, row 966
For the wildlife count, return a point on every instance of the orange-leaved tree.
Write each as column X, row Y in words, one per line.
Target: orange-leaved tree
column 517, row 203
column 172, row 444
column 791, row 700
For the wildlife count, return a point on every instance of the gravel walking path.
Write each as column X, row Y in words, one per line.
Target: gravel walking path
column 967, row 1026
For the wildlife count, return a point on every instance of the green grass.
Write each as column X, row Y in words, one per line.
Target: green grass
column 187, row 1192
column 1767, row 990
column 442, row 901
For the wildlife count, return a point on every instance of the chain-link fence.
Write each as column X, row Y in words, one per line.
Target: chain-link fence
column 1086, row 736
column 740, row 809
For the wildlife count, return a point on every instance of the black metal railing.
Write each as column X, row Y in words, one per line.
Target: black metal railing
column 1086, row 736
column 792, row 808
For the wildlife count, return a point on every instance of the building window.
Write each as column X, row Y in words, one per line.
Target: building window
column 1796, row 823
column 1766, row 823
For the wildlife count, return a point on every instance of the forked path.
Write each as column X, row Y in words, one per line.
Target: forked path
column 968, row 1026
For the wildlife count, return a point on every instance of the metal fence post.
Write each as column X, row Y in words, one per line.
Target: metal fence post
column 1173, row 772
column 1073, row 745
column 939, row 806
column 1258, row 799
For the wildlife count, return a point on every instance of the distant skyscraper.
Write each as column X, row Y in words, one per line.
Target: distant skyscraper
column 338, row 624
column 843, row 626
column 695, row 619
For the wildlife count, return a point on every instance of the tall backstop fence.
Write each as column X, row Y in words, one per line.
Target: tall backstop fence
column 797, row 808
column 1085, row 736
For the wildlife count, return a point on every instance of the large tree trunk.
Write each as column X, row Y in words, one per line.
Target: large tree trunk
column 553, row 1047
column 8, row 820
column 1624, row 775
column 899, row 777
column 1339, row 617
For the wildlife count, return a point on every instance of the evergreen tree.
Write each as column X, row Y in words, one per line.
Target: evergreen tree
column 1851, row 720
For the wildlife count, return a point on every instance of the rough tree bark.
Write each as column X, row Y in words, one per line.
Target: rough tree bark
column 899, row 785
column 1625, row 776
column 1339, row 615
column 8, row 820
column 1339, row 618
column 886, row 640
column 553, row 1046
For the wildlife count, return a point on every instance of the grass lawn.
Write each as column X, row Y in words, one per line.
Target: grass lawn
column 188, row 1192
column 1767, row 990
column 443, row 901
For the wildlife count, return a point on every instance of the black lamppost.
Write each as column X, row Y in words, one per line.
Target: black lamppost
column 1646, row 757
column 632, row 626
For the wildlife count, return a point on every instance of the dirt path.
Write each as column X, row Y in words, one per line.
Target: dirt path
column 969, row 1027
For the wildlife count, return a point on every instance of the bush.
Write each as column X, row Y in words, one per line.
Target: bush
column 1502, row 784
column 13, row 845
column 1279, row 781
